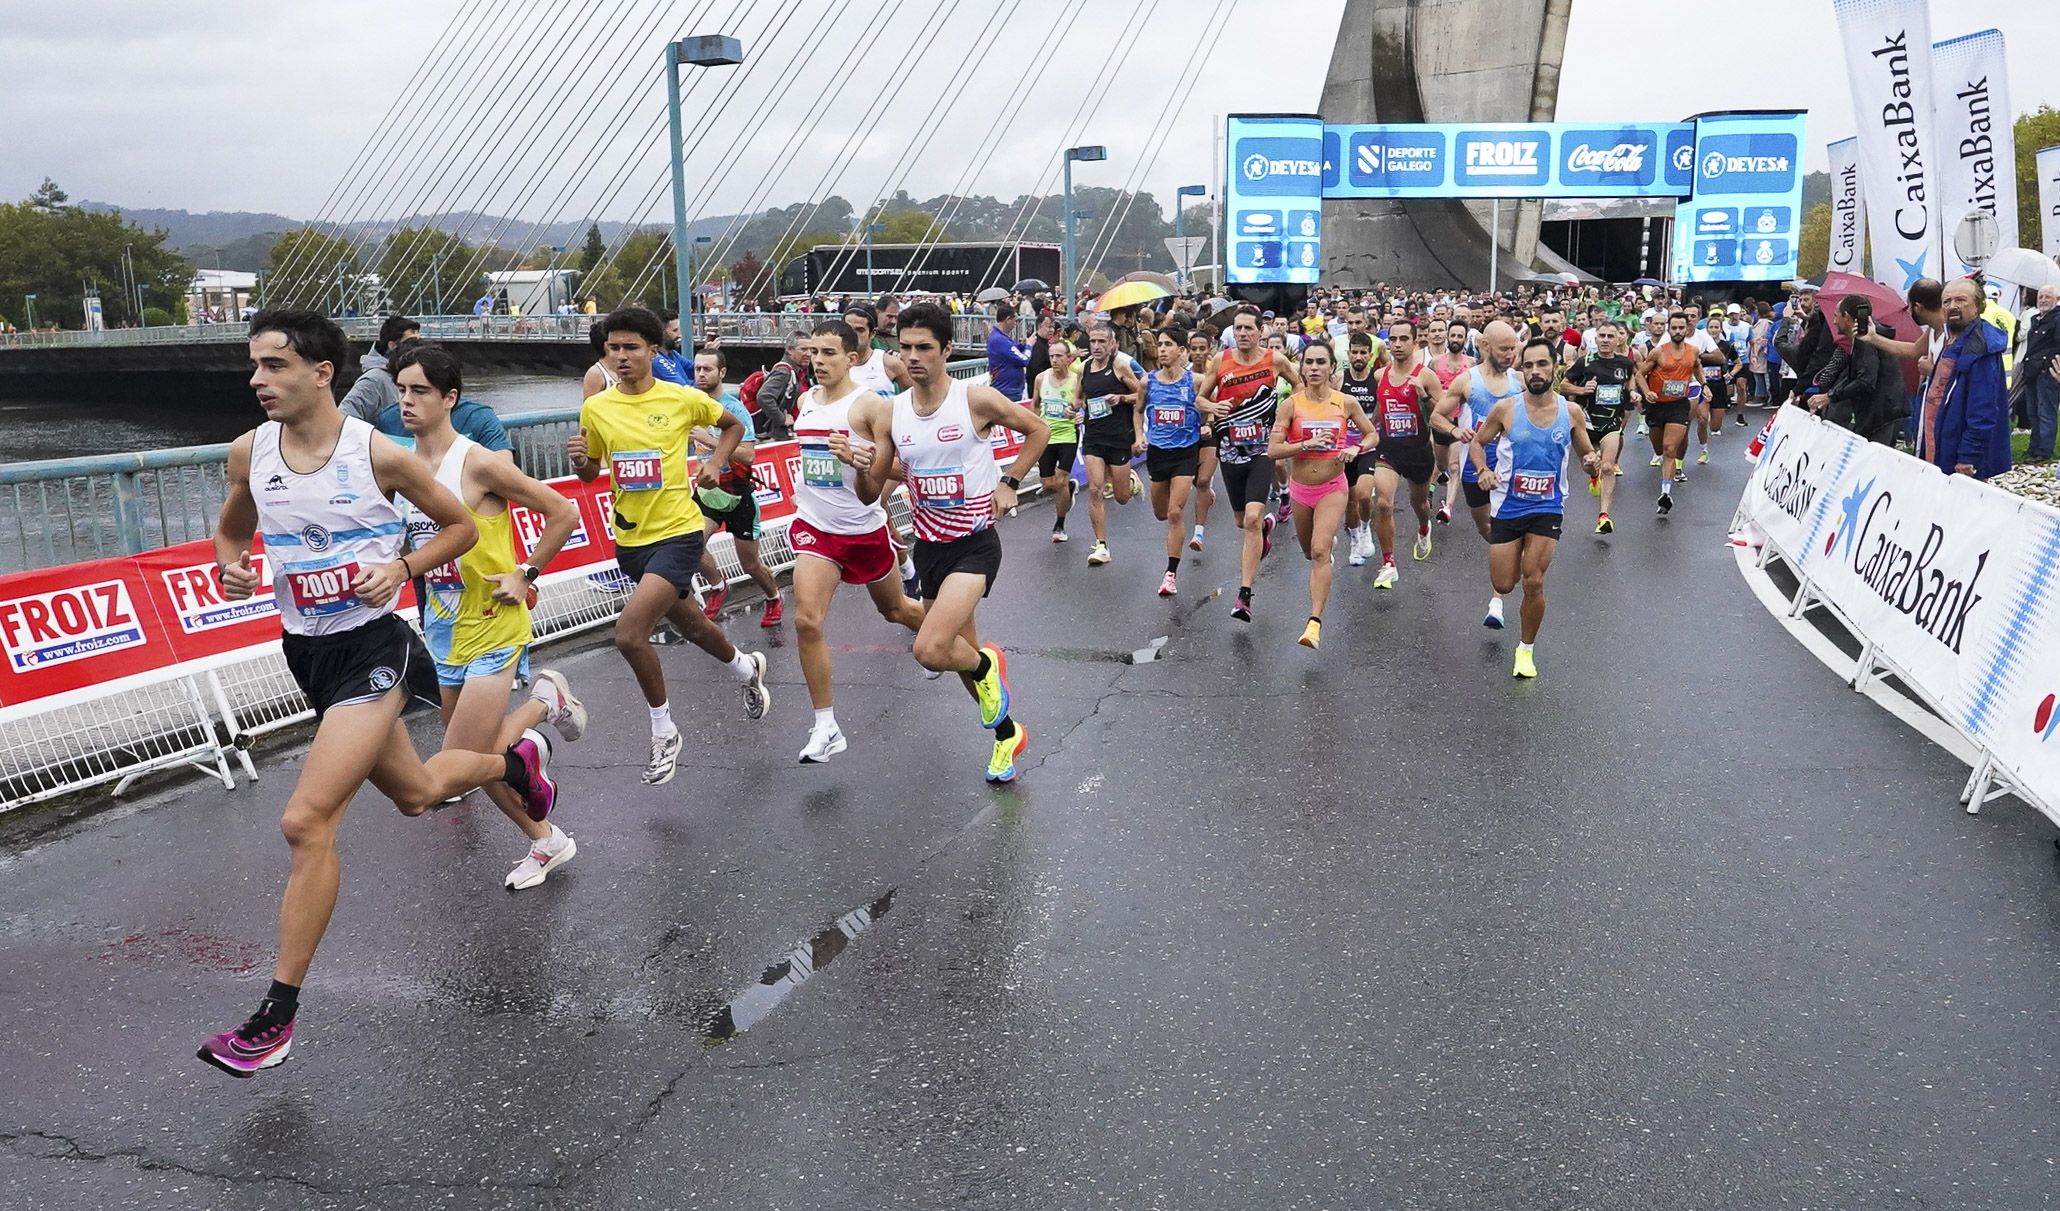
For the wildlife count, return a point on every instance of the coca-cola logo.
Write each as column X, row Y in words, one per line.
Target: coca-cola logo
column 1623, row 157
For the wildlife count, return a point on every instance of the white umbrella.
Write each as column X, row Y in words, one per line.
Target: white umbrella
column 2023, row 267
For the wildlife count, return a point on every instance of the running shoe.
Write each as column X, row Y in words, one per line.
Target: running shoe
column 1445, row 514
column 1169, row 586
column 1655, row 460
column 1444, row 477
column 757, row 699
column 1525, row 665
column 539, row 793
column 775, row 610
column 540, row 860
column 1099, row 555
column 257, row 1044
column 1703, row 458
column 1242, row 611
column 713, row 605
column 823, row 744
column 1666, row 503
column 1594, row 485
column 568, row 714
column 993, row 689
column 1358, row 551
column 1059, row 536
column 1312, row 635
column 1494, row 619
column 1001, row 766
column 1386, row 577
column 1266, row 525
column 1422, row 549
column 665, row 758
column 1195, row 543
column 1603, row 525
column 1644, row 430
column 1741, row 415
column 1136, row 484
column 1681, row 472
column 1286, row 510
column 1108, row 491
column 912, row 587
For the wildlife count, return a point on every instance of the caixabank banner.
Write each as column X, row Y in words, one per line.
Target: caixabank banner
column 1954, row 581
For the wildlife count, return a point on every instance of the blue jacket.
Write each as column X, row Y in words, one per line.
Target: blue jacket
column 470, row 418
column 1006, row 358
column 1974, row 419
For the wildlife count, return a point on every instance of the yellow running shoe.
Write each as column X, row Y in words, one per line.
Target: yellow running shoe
column 993, row 689
column 1312, row 635
column 1594, row 485
column 1001, row 767
column 1525, row 665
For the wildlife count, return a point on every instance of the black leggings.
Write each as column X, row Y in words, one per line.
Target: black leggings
column 1246, row 483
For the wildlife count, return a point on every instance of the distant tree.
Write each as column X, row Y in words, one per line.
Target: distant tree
column 644, row 271
column 591, row 252
column 1813, row 246
column 49, row 197
column 909, row 227
column 750, row 279
column 310, row 268
column 55, row 251
column 2039, row 128
column 429, row 271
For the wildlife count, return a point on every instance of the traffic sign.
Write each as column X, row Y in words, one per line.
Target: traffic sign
column 1184, row 249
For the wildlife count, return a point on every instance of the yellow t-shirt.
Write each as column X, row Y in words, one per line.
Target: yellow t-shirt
column 642, row 440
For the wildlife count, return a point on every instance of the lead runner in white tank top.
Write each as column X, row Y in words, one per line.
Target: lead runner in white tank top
column 824, row 496
column 948, row 466
column 321, row 527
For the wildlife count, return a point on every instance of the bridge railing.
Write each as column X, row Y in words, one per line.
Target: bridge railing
column 736, row 328
column 66, row 510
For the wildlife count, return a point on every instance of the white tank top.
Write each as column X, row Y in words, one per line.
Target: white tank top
column 823, row 493
column 321, row 528
column 871, row 374
column 607, row 376
column 447, row 583
column 948, row 466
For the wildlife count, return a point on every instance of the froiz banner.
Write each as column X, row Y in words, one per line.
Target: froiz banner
column 1508, row 159
column 2048, row 160
column 1848, row 216
column 1977, row 145
column 1888, row 66
column 1952, row 580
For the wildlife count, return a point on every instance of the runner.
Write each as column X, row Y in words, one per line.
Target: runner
column 1669, row 369
column 638, row 431
column 733, row 505
column 1171, row 443
column 1464, row 406
column 881, row 372
column 1403, row 404
column 936, row 433
column 1716, row 388
column 1450, row 362
column 475, row 612
column 1529, row 436
column 1054, row 389
column 1360, row 381
column 1201, row 351
column 598, row 377
column 1310, row 431
column 1599, row 384
column 837, row 538
column 1238, row 395
column 333, row 539
column 1112, row 399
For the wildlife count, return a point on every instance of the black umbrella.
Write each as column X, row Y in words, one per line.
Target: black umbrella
column 1030, row 286
column 1648, row 282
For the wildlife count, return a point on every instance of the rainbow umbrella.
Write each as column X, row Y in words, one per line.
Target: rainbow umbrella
column 1130, row 294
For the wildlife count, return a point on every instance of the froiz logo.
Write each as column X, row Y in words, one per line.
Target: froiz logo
column 1259, row 167
column 1624, row 157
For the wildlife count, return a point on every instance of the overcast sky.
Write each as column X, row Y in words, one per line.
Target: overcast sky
column 214, row 105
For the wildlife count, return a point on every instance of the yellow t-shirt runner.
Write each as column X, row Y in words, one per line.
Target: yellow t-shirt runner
column 642, row 440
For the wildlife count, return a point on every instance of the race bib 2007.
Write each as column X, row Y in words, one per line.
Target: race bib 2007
column 322, row 591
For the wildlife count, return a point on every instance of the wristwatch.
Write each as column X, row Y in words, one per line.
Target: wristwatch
column 1011, row 482
column 530, row 572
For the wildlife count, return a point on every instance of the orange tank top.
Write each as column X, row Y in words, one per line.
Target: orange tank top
column 1674, row 367
column 1324, row 423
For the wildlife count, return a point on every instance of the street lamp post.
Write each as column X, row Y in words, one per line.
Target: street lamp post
column 704, row 50
column 1087, row 154
column 30, row 299
column 694, row 288
column 1180, row 227
column 551, row 279
column 870, row 228
column 436, row 282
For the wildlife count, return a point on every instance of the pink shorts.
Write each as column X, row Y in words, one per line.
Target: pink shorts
column 1309, row 494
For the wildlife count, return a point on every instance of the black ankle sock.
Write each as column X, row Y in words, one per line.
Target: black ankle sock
column 1244, row 593
column 1173, row 563
column 1006, row 730
column 512, row 771
column 281, row 1001
column 1057, row 524
column 986, row 663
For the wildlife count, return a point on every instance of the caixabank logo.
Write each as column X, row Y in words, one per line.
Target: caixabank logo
column 1917, row 567
column 1284, row 167
column 1787, row 479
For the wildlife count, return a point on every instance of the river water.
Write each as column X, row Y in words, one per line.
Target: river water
column 32, row 429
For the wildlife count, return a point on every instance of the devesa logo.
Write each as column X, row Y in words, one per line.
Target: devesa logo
column 1684, row 157
column 1259, row 168
column 1716, row 164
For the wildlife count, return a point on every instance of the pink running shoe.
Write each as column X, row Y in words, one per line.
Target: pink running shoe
column 541, row 794
column 256, row 1044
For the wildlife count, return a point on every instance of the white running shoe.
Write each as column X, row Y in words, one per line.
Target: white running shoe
column 1099, row 555
column 1195, row 543
column 1386, row 577
column 757, row 699
column 1359, row 549
column 568, row 714
column 1422, row 549
column 823, row 744
column 1494, row 619
column 665, row 759
column 543, row 857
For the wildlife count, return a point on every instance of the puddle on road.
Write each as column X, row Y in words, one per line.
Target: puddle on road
column 791, row 971
column 175, row 946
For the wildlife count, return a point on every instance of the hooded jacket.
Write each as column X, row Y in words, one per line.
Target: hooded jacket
column 1972, row 424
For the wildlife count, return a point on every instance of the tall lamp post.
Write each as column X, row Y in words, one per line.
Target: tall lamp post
column 693, row 294
column 1087, row 154
column 30, row 300
column 870, row 228
column 1180, row 227
column 701, row 50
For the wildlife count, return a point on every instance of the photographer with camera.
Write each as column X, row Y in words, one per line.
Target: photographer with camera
column 1861, row 389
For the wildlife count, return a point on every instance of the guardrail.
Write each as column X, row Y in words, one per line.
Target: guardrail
column 64, row 510
column 739, row 328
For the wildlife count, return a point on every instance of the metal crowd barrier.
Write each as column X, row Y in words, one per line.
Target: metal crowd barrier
column 735, row 327
column 198, row 718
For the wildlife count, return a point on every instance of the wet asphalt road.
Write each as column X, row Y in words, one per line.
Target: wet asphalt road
column 1684, row 923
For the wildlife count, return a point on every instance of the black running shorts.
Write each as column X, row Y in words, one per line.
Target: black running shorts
column 362, row 664
column 978, row 553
